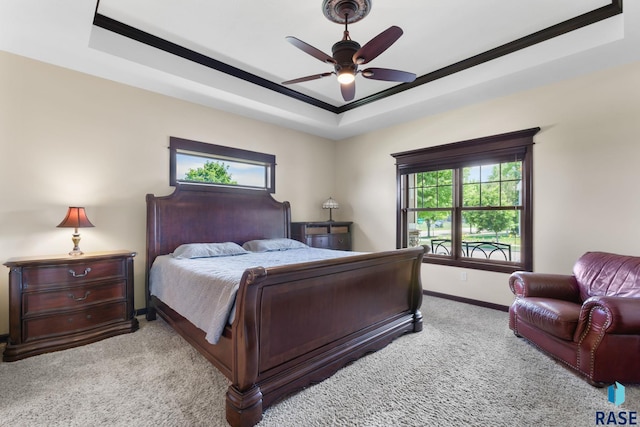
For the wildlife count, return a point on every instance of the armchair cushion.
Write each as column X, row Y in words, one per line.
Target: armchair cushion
column 558, row 318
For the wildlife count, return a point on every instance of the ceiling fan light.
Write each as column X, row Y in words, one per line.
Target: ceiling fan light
column 346, row 77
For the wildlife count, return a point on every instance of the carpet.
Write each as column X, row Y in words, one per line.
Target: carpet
column 466, row 368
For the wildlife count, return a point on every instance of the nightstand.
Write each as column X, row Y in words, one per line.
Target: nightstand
column 323, row 234
column 61, row 302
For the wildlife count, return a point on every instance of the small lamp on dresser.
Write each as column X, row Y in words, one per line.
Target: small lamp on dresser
column 331, row 205
column 76, row 218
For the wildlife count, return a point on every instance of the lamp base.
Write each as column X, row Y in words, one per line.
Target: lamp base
column 330, row 215
column 76, row 241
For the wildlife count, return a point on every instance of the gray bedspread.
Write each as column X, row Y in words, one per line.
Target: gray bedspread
column 203, row 290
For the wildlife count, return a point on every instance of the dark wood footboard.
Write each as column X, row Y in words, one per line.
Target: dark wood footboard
column 297, row 325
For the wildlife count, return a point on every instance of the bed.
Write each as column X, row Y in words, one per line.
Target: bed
column 294, row 325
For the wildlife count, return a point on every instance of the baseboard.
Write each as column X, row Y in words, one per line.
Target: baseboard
column 140, row 312
column 467, row 300
column 4, row 338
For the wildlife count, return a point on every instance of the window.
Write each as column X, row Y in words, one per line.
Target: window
column 198, row 163
column 470, row 202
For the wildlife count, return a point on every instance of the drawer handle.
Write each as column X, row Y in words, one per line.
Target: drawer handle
column 86, row 271
column 86, row 294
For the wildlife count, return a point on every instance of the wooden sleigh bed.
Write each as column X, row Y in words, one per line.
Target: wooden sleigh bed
column 294, row 325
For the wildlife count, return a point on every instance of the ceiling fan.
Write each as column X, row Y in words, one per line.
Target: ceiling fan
column 348, row 54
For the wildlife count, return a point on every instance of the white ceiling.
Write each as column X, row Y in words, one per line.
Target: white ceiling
column 250, row 36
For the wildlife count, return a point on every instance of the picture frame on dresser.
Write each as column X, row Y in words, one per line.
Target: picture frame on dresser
column 59, row 302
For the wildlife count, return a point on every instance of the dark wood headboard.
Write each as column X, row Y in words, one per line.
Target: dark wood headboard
column 211, row 215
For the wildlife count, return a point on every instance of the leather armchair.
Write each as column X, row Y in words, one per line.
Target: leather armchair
column 590, row 320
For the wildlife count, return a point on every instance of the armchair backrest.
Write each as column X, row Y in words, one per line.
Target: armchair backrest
column 607, row 274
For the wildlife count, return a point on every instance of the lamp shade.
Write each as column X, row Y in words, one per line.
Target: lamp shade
column 330, row 204
column 76, row 218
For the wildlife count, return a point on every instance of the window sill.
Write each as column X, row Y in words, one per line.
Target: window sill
column 476, row 265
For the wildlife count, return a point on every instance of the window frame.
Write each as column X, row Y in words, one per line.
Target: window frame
column 220, row 152
column 496, row 148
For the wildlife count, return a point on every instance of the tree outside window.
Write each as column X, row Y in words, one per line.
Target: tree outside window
column 213, row 172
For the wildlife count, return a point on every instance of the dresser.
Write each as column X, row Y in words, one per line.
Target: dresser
column 60, row 302
column 327, row 234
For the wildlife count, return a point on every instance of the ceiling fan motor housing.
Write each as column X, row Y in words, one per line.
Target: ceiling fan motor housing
column 343, row 52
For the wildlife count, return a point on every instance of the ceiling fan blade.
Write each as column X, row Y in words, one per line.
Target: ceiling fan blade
column 377, row 45
column 316, row 53
column 307, row 78
column 348, row 91
column 388, row 75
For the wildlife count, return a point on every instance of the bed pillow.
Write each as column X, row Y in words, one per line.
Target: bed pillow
column 269, row 245
column 208, row 250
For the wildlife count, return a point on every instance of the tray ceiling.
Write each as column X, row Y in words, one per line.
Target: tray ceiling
column 233, row 55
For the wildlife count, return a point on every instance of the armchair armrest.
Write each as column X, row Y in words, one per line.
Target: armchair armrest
column 622, row 314
column 607, row 328
column 556, row 286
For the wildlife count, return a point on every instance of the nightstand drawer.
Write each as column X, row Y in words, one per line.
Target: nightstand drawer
column 318, row 240
column 60, row 324
column 341, row 242
column 71, row 298
column 35, row 277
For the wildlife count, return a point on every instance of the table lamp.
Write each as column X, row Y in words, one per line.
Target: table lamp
column 331, row 205
column 76, row 218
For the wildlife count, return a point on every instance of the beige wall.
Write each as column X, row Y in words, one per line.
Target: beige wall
column 68, row 138
column 586, row 164
column 71, row 139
